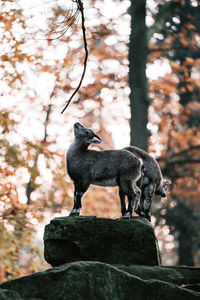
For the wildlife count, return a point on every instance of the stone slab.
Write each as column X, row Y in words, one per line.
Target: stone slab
column 94, row 280
column 119, row 241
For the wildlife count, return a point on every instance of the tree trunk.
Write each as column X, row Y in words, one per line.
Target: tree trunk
column 139, row 101
column 185, row 248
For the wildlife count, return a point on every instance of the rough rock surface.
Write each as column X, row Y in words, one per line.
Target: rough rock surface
column 118, row 241
column 183, row 276
column 9, row 295
column 94, row 280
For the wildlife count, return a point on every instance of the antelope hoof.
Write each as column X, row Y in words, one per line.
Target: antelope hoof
column 148, row 217
column 127, row 215
column 138, row 210
column 74, row 213
column 142, row 214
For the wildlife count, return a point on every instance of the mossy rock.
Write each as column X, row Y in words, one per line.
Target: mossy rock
column 118, row 241
column 94, row 280
column 189, row 277
column 9, row 295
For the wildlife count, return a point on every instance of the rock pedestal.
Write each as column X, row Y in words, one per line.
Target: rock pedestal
column 103, row 259
column 120, row 241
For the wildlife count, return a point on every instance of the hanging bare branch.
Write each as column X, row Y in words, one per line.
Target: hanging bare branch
column 81, row 9
column 69, row 19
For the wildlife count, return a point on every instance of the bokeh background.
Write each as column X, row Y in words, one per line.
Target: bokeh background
column 41, row 65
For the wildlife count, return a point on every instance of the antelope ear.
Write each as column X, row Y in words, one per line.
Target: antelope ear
column 78, row 125
column 166, row 181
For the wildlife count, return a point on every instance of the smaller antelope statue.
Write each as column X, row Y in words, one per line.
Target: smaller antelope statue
column 151, row 183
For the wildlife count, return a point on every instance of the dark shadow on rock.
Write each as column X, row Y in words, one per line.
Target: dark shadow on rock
column 118, row 241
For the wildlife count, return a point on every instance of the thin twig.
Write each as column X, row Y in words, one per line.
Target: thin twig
column 80, row 6
column 68, row 21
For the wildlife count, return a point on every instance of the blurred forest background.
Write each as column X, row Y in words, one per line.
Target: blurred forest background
column 142, row 86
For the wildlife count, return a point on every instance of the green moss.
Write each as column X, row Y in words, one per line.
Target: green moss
column 119, row 242
column 94, row 280
column 98, row 239
column 9, row 295
column 176, row 275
